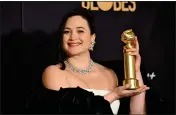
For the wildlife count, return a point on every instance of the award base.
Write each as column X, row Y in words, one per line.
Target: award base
column 134, row 83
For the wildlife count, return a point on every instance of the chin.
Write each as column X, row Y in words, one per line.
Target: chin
column 73, row 53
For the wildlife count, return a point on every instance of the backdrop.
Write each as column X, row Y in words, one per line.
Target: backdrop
column 29, row 43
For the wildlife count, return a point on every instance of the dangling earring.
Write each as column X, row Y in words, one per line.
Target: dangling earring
column 92, row 45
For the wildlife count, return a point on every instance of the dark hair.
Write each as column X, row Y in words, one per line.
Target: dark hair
column 84, row 13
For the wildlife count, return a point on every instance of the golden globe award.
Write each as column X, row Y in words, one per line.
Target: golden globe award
column 128, row 37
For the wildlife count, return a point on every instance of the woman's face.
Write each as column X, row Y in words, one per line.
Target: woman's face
column 76, row 36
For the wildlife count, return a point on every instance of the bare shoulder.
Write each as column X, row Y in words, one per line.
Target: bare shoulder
column 113, row 78
column 53, row 77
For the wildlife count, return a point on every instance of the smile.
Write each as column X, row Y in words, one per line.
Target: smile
column 73, row 44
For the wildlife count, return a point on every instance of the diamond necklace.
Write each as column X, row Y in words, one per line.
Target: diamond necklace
column 82, row 71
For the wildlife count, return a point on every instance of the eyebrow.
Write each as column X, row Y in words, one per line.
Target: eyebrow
column 81, row 27
column 76, row 27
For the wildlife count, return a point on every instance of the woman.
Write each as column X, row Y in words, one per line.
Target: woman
column 78, row 84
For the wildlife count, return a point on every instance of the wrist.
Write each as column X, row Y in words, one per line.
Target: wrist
column 139, row 77
column 116, row 96
column 138, row 71
column 112, row 96
column 139, row 96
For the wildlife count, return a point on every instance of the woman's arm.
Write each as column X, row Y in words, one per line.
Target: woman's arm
column 137, row 102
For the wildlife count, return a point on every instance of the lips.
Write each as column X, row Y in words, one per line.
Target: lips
column 73, row 44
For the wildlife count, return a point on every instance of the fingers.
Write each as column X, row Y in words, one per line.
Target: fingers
column 133, row 92
column 124, row 92
column 145, row 88
column 140, row 90
column 134, row 52
column 125, row 87
column 130, row 50
column 136, row 43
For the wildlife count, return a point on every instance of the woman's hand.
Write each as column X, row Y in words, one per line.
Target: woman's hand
column 122, row 91
column 135, row 52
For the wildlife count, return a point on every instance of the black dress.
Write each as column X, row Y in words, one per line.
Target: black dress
column 77, row 100
column 67, row 101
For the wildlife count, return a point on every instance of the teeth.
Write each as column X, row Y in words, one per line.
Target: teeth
column 73, row 44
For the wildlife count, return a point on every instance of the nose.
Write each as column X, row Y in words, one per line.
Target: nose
column 73, row 36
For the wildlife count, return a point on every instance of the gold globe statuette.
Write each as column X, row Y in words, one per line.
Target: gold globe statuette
column 128, row 38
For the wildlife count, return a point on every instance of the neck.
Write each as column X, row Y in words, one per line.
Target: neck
column 81, row 61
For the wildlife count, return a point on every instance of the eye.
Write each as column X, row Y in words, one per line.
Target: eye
column 80, row 31
column 66, row 32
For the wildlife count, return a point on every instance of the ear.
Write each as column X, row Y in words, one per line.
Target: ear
column 93, row 36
